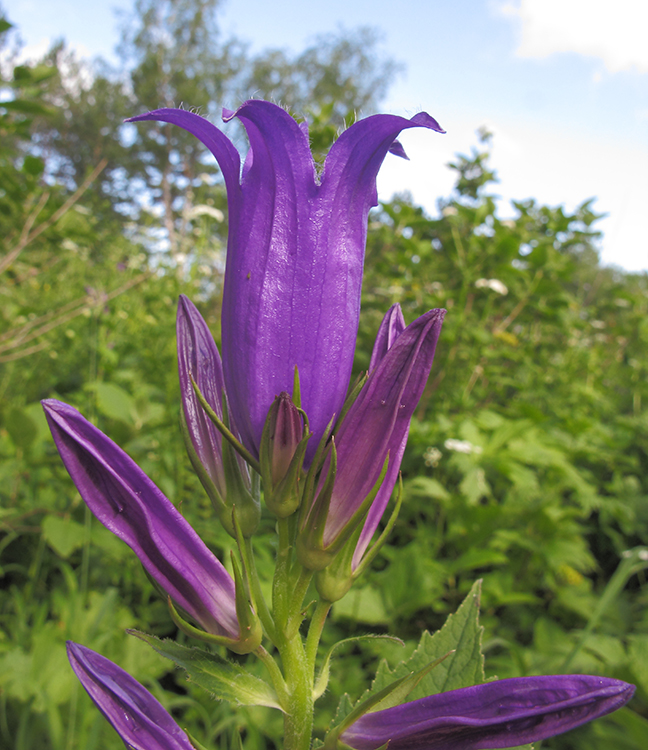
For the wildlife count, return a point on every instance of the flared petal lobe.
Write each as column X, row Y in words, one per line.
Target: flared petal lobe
column 127, row 503
column 378, row 422
column 294, row 260
column 138, row 718
column 500, row 714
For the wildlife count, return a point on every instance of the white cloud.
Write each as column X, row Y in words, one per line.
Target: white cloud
column 551, row 166
column 615, row 31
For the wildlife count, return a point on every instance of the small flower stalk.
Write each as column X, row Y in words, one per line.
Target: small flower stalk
column 276, row 427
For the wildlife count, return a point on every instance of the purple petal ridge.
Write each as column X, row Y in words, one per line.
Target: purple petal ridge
column 504, row 713
column 129, row 504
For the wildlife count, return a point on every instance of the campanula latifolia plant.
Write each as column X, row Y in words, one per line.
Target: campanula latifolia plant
column 276, row 423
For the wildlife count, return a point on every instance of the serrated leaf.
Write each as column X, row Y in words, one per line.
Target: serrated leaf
column 460, row 634
column 223, row 679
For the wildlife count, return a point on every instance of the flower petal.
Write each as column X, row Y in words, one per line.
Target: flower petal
column 198, row 357
column 127, row 503
column 378, row 424
column 391, row 327
column 138, row 718
column 499, row 714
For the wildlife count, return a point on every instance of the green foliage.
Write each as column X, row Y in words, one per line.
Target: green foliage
column 526, row 464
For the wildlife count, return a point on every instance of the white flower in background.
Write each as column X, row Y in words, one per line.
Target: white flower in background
column 432, row 456
column 204, row 210
column 494, row 285
column 461, row 446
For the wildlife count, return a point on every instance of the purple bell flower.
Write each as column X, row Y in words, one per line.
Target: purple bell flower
column 504, row 713
column 295, row 255
column 138, row 718
column 127, row 503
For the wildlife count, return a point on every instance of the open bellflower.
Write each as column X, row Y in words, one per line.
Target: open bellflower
column 138, row 718
column 130, row 505
column 295, row 254
column 504, row 713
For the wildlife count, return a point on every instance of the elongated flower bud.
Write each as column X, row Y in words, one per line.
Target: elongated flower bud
column 139, row 719
column 222, row 471
column 127, row 503
column 373, row 434
column 504, row 713
column 286, row 432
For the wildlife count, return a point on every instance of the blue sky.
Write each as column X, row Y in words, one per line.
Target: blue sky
column 562, row 84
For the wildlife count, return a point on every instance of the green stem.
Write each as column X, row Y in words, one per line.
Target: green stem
column 298, row 720
column 298, row 592
column 315, row 632
column 275, row 674
column 280, row 583
column 257, row 595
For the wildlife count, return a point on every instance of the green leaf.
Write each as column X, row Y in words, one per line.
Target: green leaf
column 63, row 534
column 33, row 165
column 323, row 678
column 21, row 428
column 223, row 679
column 461, row 634
column 363, row 605
column 114, row 402
column 638, row 659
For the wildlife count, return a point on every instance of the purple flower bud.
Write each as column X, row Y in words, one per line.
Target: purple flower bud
column 198, row 358
column 138, row 718
column 376, row 427
column 286, row 432
column 222, row 471
column 504, row 713
column 127, row 503
column 294, row 259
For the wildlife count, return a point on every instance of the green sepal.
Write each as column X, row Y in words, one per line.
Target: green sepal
column 370, row 554
column 310, row 545
column 312, row 476
column 240, row 645
column 194, row 741
column 239, row 495
column 251, row 634
column 206, row 481
column 390, row 696
column 285, row 499
column 224, row 679
column 353, row 394
column 296, row 394
column 323, row 677
column 310, row 539
column 225, row 431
